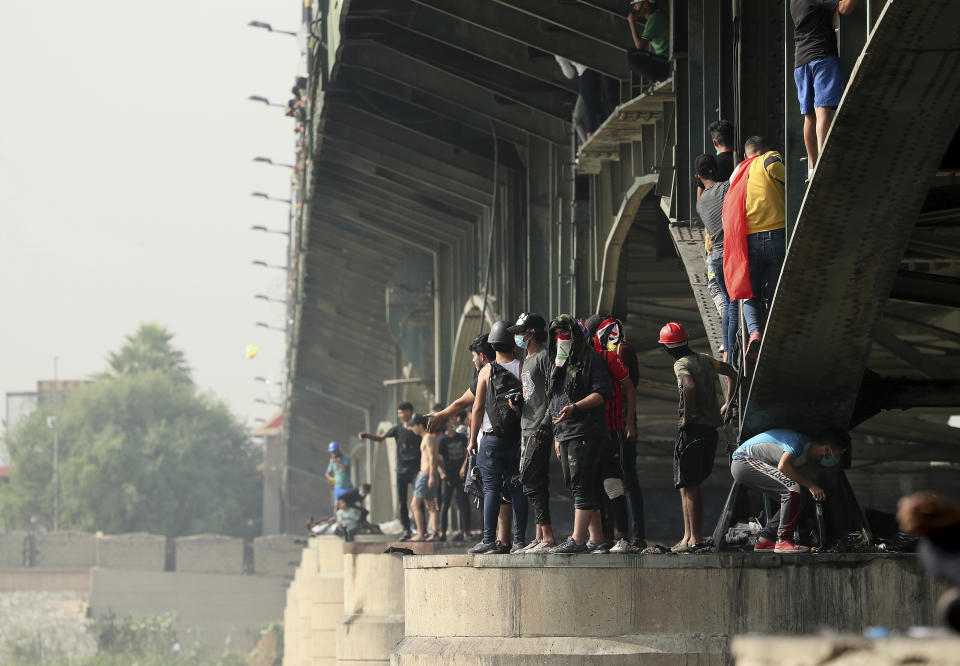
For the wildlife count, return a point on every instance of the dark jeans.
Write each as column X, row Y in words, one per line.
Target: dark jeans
column 731, row 317
column 499, row 460
column 591, row 90
column 765, row 252
column 535, row 476
column 453, row 487
column 631, row 484
column 648, row 65
column 580, row 460
column 405, row 477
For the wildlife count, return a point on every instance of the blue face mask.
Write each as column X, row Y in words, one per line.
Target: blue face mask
column 829, row 462
column 520, row 342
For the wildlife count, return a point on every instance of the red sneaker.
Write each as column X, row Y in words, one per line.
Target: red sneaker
column 753, row 350
column 789, row 547
column 763, row 546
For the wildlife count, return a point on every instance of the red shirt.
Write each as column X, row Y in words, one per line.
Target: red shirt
column 618, row 371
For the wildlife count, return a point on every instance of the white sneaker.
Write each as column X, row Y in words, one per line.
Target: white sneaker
column 623, row 546
column 526, row 549
column 540, row 548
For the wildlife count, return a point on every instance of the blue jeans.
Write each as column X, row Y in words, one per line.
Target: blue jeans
column 730, row 320
column 337, row 492
column 499, row 463
column 765, row 252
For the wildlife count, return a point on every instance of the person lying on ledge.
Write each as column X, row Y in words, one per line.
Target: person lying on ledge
column 768, row 462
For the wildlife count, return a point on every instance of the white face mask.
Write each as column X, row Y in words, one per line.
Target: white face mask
column 563, row 352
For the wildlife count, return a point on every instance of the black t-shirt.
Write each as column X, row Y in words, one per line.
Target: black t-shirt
column 594, row 378
column 724, row 165
column 813, row 33
column 353, row 497
column 408, row 447
column 454, row 450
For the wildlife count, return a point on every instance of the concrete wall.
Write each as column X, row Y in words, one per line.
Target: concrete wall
column 65, row 550
column 13, row 549
column 276, row 555
column 512, row 610
column 209, row 553
column 373, row 605
column 146, row 552
column 222, row 611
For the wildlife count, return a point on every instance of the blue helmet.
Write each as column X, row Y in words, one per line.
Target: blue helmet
column 333, row 446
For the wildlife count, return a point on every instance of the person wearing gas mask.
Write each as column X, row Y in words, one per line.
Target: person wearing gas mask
column 768, row 462
column 579, row 386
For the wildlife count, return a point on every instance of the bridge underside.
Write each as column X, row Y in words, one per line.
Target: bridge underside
column 441, row 166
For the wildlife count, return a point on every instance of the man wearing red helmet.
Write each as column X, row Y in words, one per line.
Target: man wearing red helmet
column 700, row 416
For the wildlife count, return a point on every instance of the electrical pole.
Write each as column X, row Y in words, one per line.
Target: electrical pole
column 56, row 446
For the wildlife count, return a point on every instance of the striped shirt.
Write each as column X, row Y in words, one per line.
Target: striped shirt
column 710, row 210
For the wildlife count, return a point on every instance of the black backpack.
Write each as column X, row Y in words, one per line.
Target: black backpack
column 504, row 421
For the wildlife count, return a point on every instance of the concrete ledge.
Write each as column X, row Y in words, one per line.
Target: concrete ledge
column 598, row 596
column 368, row 638
column 844, row 651
column 73, row 580
column 676, row 650
column 147, row 552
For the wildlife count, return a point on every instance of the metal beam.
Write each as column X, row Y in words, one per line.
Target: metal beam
column 578, row 18
column 432, row 105
column 443, row 28
column 516, row 111
column 517, row 24
column 927, row 365
column 926, row 288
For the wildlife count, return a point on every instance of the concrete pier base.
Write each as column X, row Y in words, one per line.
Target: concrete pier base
column 654, row 609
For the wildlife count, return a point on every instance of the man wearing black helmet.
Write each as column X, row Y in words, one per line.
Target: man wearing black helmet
column 498, row 451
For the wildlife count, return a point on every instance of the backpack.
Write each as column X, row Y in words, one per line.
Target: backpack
column 504, row 421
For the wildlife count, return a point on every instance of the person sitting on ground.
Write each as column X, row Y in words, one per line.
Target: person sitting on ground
column 452, row 446
column 579, row 386
column 498, row 451
column 710, row 209
column 348, row 520
column 530, row 334
column 650, row 58
column 355, row 497
column 754, row 227
column 338, row 470
column 408, row 457
column 700, row 416
column 768, row 462
column 427, row 481
column 817, row 68
column 938, row 522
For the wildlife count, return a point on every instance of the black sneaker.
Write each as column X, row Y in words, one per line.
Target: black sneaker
column 458, row 538
column 639, row 544
column 569, row 547
column 602, row 548
column 593, row 545
column 483, row 548
column 517, row 545
column 501, row 549
column 406, row 536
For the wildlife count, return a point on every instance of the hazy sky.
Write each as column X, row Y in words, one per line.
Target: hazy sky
column 126, row 146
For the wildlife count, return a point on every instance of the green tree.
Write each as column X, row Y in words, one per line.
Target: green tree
column 150, row 348
column 140, row 451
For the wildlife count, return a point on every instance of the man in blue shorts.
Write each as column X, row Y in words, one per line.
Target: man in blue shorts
column 768, row 462
column 817, row 68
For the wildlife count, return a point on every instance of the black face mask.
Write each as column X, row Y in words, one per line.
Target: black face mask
column 678, row 352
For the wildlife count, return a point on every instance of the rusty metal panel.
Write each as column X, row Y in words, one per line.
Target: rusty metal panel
column 897, row 117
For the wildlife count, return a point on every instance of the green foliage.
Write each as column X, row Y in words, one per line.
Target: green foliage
column 139, row 452
column 150, row 349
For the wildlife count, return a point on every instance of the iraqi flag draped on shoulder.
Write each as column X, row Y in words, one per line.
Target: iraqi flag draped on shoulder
column 736, row 267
